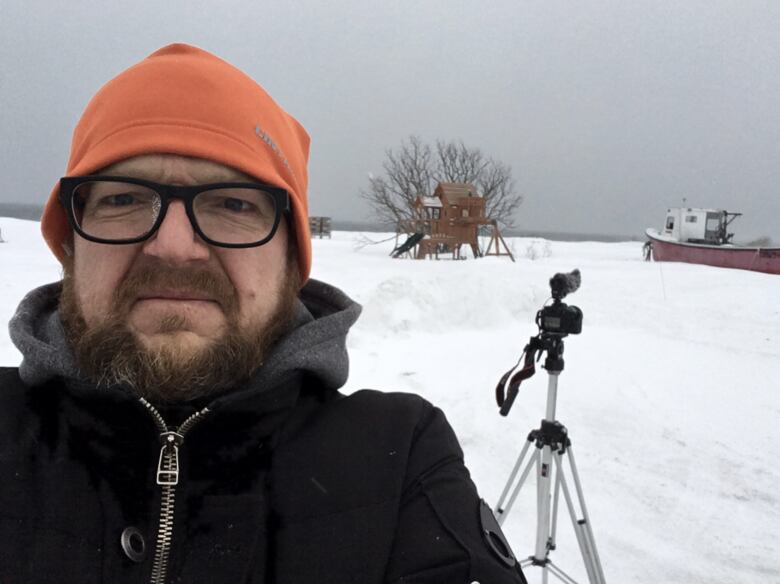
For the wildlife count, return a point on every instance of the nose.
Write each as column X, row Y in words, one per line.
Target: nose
column 176, row 240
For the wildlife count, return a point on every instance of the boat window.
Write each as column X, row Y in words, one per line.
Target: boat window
column 691, row 218
column 670, row 222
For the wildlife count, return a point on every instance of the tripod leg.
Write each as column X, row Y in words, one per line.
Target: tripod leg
column 556, row 500
column 505, row 511
column 581, row 526
column 560, row 574
column 512, row 475
column 584, row 551
column 586, row 518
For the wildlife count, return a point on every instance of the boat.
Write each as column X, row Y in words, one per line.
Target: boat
column 700, row 236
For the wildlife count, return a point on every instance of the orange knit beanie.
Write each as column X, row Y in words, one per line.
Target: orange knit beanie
column 183, row 100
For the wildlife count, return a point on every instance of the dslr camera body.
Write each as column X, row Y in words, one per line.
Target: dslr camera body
column 560, row 319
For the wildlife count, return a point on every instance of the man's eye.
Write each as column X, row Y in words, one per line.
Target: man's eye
column 120, row 200
column 236, row 205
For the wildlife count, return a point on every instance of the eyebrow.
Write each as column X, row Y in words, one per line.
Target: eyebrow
column 213, row 175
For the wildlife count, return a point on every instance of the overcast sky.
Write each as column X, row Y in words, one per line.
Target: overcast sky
column 608, row 112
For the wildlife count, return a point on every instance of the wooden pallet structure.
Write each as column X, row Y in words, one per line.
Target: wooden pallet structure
column 319, row 227
column 448, row 220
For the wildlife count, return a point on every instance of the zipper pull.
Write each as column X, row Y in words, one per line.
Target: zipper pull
column 168, row 465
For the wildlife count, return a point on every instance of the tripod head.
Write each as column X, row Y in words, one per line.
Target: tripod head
column 556, row 321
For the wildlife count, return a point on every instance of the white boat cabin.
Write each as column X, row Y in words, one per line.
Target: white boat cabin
column 699, row 225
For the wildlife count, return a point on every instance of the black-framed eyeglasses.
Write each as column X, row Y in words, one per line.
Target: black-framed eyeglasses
column 121, row 210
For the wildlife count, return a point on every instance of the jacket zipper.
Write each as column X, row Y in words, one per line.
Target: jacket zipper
column 171, row 440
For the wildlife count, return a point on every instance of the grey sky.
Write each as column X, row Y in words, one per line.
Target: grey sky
column 608, row 112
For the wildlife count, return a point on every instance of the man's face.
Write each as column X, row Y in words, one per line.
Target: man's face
column 177, row 296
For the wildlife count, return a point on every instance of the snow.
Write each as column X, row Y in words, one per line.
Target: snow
column 670, row 393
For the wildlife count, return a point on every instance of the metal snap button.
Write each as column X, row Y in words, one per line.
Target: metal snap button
column 133, row 544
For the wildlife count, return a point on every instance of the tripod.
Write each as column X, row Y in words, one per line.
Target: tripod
column 552, row 445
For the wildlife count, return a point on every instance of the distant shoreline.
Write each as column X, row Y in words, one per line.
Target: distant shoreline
column 33, row 213
column 552, row 235
column 21, row 211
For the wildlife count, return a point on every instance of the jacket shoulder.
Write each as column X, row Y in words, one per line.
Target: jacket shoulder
column 9, row 373
column 378, row 479
column 13, row 392
column 422, row 427
column 25, row 409
column 363, row 440
column 17, row 421
column 390, row 406
column 430, row 436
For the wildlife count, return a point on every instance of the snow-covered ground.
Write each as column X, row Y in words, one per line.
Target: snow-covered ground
column 670, row 394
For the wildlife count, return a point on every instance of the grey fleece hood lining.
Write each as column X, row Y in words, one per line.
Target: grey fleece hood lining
column 315, row 344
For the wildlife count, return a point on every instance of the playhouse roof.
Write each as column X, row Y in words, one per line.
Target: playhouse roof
column 456, row 190
column 430, row 201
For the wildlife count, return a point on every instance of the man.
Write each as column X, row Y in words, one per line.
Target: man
column 176, row 416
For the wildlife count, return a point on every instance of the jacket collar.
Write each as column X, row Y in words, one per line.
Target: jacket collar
column 315, row 346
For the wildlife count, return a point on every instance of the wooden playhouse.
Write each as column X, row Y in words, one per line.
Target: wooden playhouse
column 446, row 221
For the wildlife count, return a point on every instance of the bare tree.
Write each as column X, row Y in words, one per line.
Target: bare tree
column 407, row 175
column 416, row 168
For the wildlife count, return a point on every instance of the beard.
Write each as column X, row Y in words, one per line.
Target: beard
column 109, row 353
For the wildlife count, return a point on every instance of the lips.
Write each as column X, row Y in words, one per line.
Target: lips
column 176, row 295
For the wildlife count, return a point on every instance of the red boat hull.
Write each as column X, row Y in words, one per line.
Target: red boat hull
column 742, row 258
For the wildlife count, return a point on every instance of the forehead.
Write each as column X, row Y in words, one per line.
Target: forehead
column 172, row 168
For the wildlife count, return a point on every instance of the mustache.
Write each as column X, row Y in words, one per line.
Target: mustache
column 157, row 276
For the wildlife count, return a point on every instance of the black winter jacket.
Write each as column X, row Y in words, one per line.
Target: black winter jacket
column 282, row 480
column 302, row 487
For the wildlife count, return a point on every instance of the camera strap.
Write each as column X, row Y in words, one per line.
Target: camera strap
column 506, row 394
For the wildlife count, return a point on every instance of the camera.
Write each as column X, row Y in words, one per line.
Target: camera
column 555, row 322
column 560, row 319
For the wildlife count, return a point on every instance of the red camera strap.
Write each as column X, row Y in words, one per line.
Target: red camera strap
column 528, row 369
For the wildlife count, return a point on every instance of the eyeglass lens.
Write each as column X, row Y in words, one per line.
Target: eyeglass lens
column 114, row 210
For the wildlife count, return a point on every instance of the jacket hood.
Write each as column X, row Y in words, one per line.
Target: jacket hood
column 315, row 345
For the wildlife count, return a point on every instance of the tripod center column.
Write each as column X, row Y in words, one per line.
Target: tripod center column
column 552, row 395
